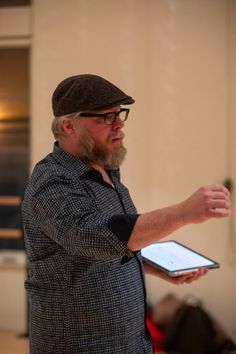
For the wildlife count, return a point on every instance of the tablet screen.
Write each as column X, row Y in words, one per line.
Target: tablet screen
column 175, row 258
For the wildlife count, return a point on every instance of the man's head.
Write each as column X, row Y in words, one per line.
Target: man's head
column 89, row 118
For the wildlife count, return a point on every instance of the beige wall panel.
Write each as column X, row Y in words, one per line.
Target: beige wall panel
column 189, row 138
column 87, row 38
column 15, row 21
column 189, row 86
column 171, row 56
column 232, row 111
column 13, row 306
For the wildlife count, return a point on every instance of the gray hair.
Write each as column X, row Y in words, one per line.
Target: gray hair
column 57, row 128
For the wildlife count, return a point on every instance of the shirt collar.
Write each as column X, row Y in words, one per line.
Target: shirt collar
column 69, row 161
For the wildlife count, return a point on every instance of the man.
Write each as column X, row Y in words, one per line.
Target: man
column 83, row 235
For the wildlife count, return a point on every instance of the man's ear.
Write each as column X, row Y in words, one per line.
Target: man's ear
column 68, row 126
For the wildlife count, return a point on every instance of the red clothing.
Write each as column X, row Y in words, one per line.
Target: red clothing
column 157, row 334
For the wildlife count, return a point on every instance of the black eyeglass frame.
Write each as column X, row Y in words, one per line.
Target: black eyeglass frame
column 109, row 115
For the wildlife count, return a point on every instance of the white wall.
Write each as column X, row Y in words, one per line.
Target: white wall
column 177, row 58
column 190, row 138
column 13, row 300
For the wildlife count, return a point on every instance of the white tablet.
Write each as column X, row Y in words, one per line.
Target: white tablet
column 175, row 259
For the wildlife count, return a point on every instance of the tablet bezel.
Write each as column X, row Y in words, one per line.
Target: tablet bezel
column 182, row 271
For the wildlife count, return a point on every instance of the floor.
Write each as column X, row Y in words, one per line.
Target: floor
column 12, row 343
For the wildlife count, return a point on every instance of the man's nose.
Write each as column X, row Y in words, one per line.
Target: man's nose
column 118, row 124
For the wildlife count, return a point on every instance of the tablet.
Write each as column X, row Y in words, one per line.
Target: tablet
column 175, row 259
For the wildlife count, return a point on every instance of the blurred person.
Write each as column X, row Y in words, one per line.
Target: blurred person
column 83, row 235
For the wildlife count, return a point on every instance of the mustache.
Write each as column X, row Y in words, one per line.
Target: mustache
column 119, row 135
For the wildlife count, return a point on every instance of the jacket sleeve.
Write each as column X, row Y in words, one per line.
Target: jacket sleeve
column 68, row 216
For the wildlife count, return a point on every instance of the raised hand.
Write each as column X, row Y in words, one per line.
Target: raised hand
column 212, row 201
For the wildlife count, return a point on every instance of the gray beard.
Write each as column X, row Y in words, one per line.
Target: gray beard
column 89, row 153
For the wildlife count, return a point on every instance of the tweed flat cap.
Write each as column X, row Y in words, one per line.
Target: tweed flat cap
column 86, row 92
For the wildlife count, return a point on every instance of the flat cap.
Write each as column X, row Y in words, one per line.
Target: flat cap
column 86, row 92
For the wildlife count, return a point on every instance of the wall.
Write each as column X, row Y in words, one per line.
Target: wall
column 15, row 26
column 191, row 80
column 13, row 304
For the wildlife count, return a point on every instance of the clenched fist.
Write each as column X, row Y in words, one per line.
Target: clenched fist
column 211, row 201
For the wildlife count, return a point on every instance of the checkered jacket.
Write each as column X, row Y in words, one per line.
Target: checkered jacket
column 86, row 289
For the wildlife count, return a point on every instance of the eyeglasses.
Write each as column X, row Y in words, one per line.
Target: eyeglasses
column 109, row 118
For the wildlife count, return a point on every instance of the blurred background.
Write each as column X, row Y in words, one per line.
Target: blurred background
column 177, row 58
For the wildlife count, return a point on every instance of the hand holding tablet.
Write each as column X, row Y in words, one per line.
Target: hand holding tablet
column 175, row 259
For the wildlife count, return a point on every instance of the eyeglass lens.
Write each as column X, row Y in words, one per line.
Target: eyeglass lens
column 111, row 117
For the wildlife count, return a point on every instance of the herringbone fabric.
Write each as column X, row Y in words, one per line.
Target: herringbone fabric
column 86, row 289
